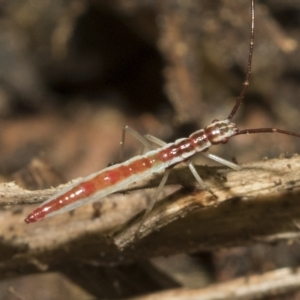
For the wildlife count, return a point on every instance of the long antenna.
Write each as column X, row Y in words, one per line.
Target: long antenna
column 245, row 87
column 265, row 130
column 246, row 82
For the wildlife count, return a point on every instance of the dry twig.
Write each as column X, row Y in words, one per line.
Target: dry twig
column 258, row 202
column 277, row 282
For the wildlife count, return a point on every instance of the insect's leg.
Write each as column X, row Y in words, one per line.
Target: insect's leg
column 136, row 135
column 199, row 179
column 155, row 140
column 145, row 141
column 190, row 165
column 196, row 175
column 222, row 161
column 153, row 199
column 158, row 142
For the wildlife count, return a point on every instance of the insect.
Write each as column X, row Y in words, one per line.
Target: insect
column 117, row 177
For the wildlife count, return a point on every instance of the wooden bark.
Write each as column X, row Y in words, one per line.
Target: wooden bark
column 277, row 283
column 258, row 204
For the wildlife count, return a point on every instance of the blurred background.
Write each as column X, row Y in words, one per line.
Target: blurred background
column 74, row 72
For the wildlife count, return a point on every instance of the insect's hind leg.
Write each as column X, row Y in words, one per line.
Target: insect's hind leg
column 137, row 136
column 153, row 200
column 155, row 140
column 145, row 141
column 161, row 185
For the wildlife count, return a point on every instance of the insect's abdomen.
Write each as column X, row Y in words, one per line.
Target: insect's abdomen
column 99, row 185
column 56, row 204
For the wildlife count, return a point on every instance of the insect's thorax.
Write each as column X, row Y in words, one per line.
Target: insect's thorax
column 201, row 140
column 220, row 131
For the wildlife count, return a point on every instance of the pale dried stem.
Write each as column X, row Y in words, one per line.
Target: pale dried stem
column 277, row 283
column 259, row 203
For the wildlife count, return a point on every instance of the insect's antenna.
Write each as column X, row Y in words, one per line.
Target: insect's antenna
column 246, row 82
column 264, row 130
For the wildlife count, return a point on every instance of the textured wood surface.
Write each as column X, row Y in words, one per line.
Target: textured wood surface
column 259, row 203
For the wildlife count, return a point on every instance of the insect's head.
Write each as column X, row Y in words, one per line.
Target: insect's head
column 220, row 131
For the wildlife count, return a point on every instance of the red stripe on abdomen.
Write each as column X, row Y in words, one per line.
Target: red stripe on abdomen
column 75, row 194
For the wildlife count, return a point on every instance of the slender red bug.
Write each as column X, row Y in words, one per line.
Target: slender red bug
column 119, row 176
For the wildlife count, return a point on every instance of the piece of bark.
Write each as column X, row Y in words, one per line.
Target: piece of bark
column 250, row 192
column 251, row 205
column 277, row 283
